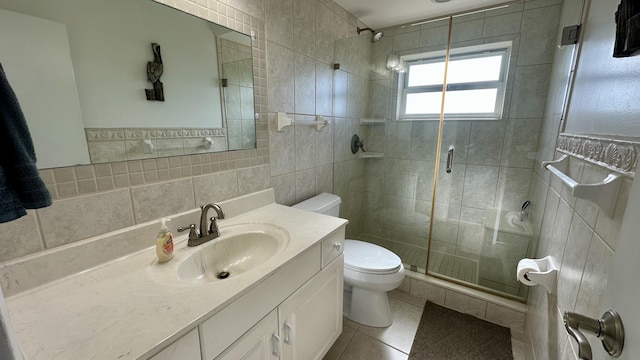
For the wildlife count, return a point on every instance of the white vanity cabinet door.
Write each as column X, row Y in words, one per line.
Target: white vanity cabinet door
column 311, row 319
column 261, row 342
column 185, row 348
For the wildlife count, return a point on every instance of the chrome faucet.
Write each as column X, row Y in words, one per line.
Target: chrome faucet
column 200, row 237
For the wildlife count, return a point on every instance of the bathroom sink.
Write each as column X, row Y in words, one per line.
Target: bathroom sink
column 240, row 249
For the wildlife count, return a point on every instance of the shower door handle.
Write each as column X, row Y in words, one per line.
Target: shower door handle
column 450, row 159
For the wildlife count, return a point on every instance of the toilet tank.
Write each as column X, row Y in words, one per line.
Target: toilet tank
column 324, row 203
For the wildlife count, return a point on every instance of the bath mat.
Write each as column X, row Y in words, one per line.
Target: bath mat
column 445, row 334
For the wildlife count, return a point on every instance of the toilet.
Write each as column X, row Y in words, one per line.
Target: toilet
column 369, row 271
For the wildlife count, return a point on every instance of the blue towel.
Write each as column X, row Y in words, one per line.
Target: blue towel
column 20, row 184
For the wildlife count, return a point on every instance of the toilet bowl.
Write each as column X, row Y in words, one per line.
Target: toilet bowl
column 369, row 271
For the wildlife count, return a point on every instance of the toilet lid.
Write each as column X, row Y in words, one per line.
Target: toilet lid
column 369, row 258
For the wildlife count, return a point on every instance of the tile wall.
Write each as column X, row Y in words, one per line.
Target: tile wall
column 494, row 160
column 94, row 199
column 574, row 231
column 303, row 83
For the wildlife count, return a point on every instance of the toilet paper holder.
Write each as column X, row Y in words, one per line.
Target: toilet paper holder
column 546, row 273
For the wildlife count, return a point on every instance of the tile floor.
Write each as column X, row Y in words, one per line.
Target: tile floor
column 393, row 343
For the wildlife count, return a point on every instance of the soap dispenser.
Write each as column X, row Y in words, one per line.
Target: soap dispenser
column 164, row 243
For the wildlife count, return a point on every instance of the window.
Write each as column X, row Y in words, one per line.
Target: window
column 476, row 84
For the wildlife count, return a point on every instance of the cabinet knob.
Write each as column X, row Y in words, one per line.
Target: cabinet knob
column 337, row 246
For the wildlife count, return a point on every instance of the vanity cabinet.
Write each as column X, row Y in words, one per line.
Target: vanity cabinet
column 260, row 343
column 303, row 327
column 311, row 319
column 305, row 296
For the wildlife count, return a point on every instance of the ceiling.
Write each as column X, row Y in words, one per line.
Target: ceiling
column 380, row 14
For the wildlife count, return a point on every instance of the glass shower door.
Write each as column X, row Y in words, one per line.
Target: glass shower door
column 478, row 233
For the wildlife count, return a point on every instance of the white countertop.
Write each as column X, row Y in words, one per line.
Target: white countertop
column 117, row 311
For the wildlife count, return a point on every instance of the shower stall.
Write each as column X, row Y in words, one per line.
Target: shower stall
column 452, row 169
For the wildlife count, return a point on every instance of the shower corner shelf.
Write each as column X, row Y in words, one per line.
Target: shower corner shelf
column 603, row 193
column 373, row 121
column 370, row 155
column 282, row 120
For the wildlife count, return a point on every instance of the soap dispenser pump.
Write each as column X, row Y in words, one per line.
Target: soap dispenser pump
column 164, row 242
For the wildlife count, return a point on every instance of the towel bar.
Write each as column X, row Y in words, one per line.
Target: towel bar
column 282, row 120
column 603, row 193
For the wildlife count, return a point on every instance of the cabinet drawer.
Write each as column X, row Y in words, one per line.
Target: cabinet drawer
column 223, row 328
column 332, row 247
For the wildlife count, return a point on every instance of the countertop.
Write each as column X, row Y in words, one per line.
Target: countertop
column 117, row 311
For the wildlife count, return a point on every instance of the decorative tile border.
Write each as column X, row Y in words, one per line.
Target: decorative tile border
column 102, row 134
column 614, row 154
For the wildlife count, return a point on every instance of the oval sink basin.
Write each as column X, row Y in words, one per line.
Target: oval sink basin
column 241, row 248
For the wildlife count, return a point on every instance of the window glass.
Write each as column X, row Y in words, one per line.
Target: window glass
column 476, row 84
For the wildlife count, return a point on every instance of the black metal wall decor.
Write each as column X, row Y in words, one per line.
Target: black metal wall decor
column 154, row 72
column 627, row 28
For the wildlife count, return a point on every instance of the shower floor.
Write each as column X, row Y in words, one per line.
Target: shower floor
column 449, row 265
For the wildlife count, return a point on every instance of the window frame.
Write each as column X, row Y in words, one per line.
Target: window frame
column 478, row 51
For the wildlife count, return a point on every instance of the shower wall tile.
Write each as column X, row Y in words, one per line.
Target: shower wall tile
column 486, row 142
column 279, row 22
column 480, row 186
column 304, row 26
column 434, row 36
column 466, row 31
column 324, row 92
column 20, row 237
column 78, row 218
column 520, row 143
column 501, row 24
column 305, row 144
column 529, row 91
column 324, row 144
column 513, row 186
column 573, row 263
column 162, row 199
column 424, row 140
column 407, row 41
column 280, row 61
column 340, row 89
column 539, row 33
column 325, row 33
column 594, row 278
column 282, row 149
column 305, row 84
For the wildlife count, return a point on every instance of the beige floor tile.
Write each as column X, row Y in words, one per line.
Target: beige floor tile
column 350, row 323
column 363, row 347
column 400, row 334
column 340, row 344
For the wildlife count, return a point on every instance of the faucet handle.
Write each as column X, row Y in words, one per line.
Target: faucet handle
column 193, row 233
column 213, row 226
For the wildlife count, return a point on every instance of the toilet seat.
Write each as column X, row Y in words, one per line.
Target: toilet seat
column 369, row 258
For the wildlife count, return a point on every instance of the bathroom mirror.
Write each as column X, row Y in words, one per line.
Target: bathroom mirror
column 79, row 70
